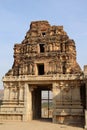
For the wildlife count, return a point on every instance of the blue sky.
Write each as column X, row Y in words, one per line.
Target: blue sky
column 16, row 16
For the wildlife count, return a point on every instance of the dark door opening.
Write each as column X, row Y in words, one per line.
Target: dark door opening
column 36, row 104
column 64, row 67
column 40, row 69
column 42, row 103
column 41, row 48
column 83, row 95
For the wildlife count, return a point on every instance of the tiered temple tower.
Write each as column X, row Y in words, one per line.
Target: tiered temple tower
column 46, row 50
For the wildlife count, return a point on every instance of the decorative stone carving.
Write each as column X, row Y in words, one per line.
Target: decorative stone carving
column 56, row 43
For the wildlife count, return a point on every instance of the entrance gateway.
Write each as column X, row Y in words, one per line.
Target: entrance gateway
column 45, row 62
column 41, row 101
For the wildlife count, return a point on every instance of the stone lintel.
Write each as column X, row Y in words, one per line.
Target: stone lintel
column 44, row 78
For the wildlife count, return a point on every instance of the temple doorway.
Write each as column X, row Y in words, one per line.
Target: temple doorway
column 42, row 102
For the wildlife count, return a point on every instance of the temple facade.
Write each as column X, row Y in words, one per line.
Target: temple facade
column 45, row 61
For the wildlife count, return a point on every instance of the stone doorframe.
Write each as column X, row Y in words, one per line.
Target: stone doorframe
column 28, row 112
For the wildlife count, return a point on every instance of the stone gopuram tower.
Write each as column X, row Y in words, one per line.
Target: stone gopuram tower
column 44, row 60
column 46, row 50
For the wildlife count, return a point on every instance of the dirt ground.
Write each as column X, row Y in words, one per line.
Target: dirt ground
column 36, row 125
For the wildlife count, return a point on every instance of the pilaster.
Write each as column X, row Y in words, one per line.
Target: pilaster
column 21, row 91
column 56, row 96
column 27, row 103
column 6, row 91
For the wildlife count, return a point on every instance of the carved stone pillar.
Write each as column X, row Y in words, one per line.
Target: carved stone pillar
column 12, row 91
column 56, row 97
column 56, row 90
column 27, row 103
column 16, row 93
column 21, row 93
column 12, row 95
column 6, row 91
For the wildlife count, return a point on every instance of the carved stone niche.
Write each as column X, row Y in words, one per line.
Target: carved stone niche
column 14, row 93
column 66, row 88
